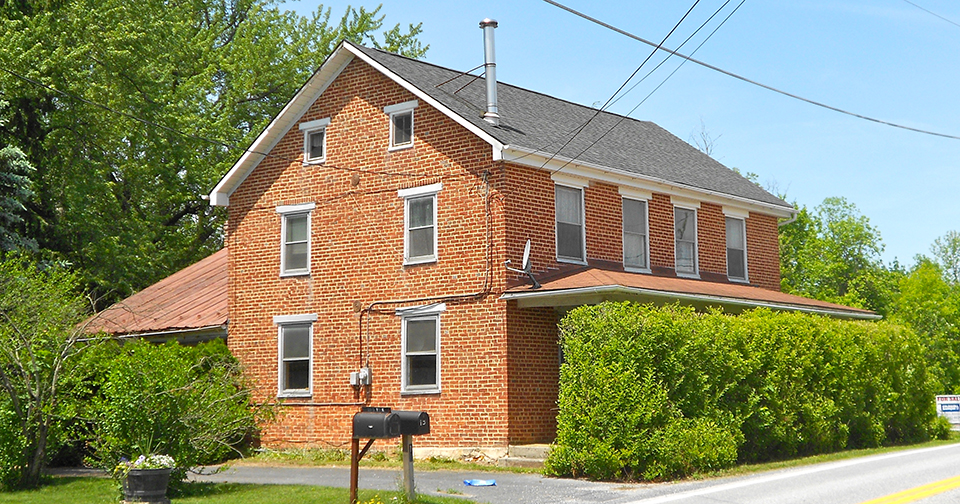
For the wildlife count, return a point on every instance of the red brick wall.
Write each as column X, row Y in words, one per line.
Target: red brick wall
column 763, row 251
column 356, row 257
column 660, row 221
column 712, row 239
column 603, row 213
column 533, row 373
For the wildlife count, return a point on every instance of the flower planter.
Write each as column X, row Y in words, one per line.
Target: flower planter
column 146, row 485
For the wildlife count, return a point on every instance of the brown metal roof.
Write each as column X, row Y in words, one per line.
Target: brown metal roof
column 590, row 285
column 191, row 299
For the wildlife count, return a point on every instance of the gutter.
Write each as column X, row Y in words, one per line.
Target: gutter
column 619, row 289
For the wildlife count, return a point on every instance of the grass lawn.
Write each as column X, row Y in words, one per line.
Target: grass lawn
column 313, row 457
column 103, row 491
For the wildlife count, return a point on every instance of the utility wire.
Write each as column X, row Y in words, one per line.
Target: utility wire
column 191, row 135
column 601, row 109
column 932, row 13
column 664, row 81
column 749, row 81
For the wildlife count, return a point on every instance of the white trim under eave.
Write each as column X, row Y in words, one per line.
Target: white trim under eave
column 532, row 158
column 541, row 298
column 497, row 145
column 279, row 126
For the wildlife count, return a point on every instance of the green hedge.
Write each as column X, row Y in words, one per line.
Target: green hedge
column 656, row 393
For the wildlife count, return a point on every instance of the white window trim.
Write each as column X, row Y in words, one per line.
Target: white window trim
column 311, row 127
column 646, row 235
column 583, row 227
column 288, row 211
column 401, row 108
column 696, row 242
column 418, row 192
column 746, row 269
column 280, row 321
column 426, row 312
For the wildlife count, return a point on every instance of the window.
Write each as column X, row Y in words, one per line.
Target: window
column 401, row 124
column 420, row 371
column 295, row 239
column 569, row 208
column 314, row 140
column 736, row 250
column 294, row 345
column 635, row 234
column 685, row 234
column 420, row 223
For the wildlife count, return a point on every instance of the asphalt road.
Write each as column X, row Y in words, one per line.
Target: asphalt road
column 853, row 481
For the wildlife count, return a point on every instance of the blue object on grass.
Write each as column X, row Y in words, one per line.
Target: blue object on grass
column 480, row 482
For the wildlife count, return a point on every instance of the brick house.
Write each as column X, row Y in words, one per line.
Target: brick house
column 370, row 222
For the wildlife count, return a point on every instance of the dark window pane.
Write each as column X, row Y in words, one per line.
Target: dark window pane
column 634, row 216
column 634, row 250
column 686, row 262
column 421, row 212
column 422, row 335
column 735, row 264
column 296, row 258
column 422, row 370
column 296, row 228
column 402, row 128
column 569, row 241
column 316, row 144
column 296, row 375
column 421, row 242
column 296, row 341
column 568, row 205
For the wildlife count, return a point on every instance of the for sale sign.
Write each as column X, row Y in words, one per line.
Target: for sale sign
column 948, row 406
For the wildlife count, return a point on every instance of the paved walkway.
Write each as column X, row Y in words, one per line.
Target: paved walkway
column 511, row 488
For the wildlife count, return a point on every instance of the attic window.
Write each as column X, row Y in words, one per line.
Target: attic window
column 315, row 140
column 401, row 124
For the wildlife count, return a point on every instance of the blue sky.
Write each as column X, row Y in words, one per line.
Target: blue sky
column 885, row 59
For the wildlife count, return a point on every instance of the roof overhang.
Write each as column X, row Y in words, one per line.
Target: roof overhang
column 184, row 336
column 574, row 168
column 301, row 102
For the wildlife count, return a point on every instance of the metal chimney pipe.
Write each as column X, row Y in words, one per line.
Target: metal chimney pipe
column 490, row 71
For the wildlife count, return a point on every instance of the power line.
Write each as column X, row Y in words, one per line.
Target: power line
column 932, row 13
column 601, row 109
column 749, row 81
column 191, row 135
column 664, row 81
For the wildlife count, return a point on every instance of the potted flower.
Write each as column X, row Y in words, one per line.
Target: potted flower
column 145, row 479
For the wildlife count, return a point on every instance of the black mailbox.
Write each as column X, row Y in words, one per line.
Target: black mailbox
column 414, row 422
column 376, row 425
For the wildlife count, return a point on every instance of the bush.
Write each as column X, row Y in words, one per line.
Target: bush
column 190, row 403
column 656, row 393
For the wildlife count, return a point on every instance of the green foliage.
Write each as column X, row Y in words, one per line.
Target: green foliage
column 122, row 185
column 15, row 192
column 946, row 249
column 187, row 402
column 39, row 313
column 833, row 254
column 656, row 393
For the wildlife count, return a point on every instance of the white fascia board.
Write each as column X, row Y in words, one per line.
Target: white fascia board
column 536, row 159
column 542, row 298
column 427, row 98
column 281, row 124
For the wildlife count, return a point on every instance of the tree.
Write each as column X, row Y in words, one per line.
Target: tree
column 833, row 254
column 39, row 313
column 946, row 250
column 130, row 112
column 15, row 192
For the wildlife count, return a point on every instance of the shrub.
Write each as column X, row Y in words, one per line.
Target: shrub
column 666, row 392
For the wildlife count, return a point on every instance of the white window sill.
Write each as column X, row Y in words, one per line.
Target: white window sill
column 314, row 162
column 295, row 394
column 432, row 391
column 739, row 280
column 418, row 261
column 694, row 276
column 394, row 148
column 287, row 274
column 633, row 269
column 581, row 262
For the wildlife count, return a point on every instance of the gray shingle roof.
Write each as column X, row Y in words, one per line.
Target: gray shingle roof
column 536, row 121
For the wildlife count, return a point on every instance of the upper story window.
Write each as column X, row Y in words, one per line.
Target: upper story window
column 736, row 249
column 295, row 239
column 294, row 354
column 315, row 140
column 420, row 223
column 401, row 124
column 420, row 365
column 635, row 243
column 685, row 234
column 570, row 231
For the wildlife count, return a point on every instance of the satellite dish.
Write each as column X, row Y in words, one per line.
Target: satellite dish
column 527, row 268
